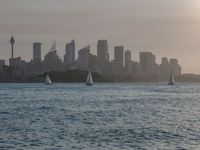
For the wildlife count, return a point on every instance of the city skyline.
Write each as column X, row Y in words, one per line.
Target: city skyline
column 121, row 66
column 41, row 55
column 166, row 28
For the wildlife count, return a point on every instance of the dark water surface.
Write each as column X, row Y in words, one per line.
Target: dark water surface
column 105, row 116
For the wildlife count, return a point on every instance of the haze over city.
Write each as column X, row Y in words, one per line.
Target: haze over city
column 165, row 27
column 99, row 74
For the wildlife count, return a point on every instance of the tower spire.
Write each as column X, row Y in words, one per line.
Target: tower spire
column 12, row 42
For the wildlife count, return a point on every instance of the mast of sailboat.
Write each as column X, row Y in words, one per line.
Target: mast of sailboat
column 171, row 82
column 48, row 80
column 89, row 80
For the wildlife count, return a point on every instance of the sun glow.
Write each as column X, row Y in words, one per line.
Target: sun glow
column 195, row 4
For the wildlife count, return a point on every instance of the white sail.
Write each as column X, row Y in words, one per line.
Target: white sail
column 172, row 78
column 171, row 82
column 89, row 80
column 48, row 80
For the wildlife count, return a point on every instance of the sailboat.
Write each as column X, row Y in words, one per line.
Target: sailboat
column 48, row 80
column 171, row 82
column 89, row 80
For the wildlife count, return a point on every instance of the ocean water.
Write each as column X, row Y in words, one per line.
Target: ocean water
column 105, row 116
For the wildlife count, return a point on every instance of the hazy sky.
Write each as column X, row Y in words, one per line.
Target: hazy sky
column 166, row 27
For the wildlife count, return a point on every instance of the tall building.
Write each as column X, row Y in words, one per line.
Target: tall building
column 12, row 42
column 137, row 68
column 37, row 52
column 148, row 62
column 36, row 64
column 102, row 51
column 69, row 57
column 173, row 61
column 175, row 67
column 164, row 61
column 2, row 63
column 118, row 60
column 93, row 62
column 52, row 62
column 83, row 58
column 15, row 62
column 127, row 60
column 164, row 68
column 103, row 56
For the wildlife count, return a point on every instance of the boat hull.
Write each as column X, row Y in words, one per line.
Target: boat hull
column 89, row 84
column 171, row 84
column 48, row 83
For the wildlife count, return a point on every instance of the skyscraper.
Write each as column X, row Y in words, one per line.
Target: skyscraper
column 83, row 58
column 102, row 51
column 15, row 62
column 69, row 57
column 52, row 62
column 118, row 60
column 148, row 62
column 92, row 62
column 175, row 67
column 164, row 61
column 127, row 59
column 102, row 55
column 128, row 63
column 165, row 68
column 37, row 52
column 2, row 63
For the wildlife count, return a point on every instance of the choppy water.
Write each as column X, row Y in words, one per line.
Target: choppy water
column 105, row 116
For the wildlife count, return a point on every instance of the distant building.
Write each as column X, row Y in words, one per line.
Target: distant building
column 175, row 67
column 102, row 54
column 128, row 63
column 148, row 62
column 83, row 58
column 15, row 62
column 93, row 62
column 164, row 68
column 69, row 57
column 36, row 66
column 137, row 68
column 102, row 51
column 37, row 53
column 164, row 61
column 2, row 63
column 118, row 60
column 52, row 62
column 130, row 68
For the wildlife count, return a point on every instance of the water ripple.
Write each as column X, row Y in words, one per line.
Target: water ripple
column 105, row 116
